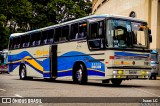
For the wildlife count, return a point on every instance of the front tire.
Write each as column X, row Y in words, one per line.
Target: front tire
column 80, row 74
column 153, row 77
column 116, row 82
column 22, row 73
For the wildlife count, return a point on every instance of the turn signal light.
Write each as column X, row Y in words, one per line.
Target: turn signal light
column 111, row 57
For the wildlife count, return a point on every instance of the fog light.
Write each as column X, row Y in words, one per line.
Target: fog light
column 143, row 72
column 118, row 76
column 120, row 71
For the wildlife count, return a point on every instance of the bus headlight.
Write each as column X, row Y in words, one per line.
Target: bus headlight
column 119, row 72
column 115, row 72
column 148, row 72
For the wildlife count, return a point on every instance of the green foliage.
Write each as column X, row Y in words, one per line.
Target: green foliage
column 24, row 15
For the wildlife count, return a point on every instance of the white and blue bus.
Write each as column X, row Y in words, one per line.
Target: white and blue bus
column 154, row 64
column 102, row 47
column 3, row 61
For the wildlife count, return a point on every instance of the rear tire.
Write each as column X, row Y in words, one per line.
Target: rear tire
column 80, row 74
column 22, row 73
column 116, row 82
column 153, row 77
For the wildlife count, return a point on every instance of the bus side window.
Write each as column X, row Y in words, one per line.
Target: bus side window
column 32, row 41
column 16, row 42
column 50, row 36
column 96, row 40
column 74, row 31
column 35, row 39
column 57, row 36
column 38, row 39
column 25, row 40
column 44, row 37
column 28, row 37
column 11, row 43
column 82, row 30
column 65, row 33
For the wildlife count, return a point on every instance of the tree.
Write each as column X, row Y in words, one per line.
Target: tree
column 65, row 10
column 24, row 15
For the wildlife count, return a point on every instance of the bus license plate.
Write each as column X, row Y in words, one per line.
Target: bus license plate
column 132, row 76
column 132, row 71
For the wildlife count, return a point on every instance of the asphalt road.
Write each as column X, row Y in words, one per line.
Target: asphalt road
column 11, row 86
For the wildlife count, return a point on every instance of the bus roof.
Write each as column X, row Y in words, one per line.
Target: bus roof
column 87, row 17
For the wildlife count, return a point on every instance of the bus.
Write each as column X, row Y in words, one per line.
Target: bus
column 3, row 61
column 154, row 64
column 98, row 47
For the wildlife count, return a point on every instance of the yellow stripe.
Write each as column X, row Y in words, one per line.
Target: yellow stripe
column 33, row 63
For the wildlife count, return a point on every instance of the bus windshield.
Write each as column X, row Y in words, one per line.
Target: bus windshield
column 126, row 34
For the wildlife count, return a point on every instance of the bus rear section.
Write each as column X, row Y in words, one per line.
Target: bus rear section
column 3, row 61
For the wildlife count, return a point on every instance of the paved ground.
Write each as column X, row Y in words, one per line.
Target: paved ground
column 11, row 86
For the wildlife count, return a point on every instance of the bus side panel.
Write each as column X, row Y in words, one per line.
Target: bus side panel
column 36, row 60
column 46, row 67
column 94, row 62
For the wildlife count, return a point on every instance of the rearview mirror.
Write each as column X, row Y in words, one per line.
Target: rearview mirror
column 149, row 31
column 150, row 38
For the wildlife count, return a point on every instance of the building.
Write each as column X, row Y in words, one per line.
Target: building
column 148, row 10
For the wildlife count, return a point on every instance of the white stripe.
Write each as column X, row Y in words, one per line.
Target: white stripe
column 17, row 95
column 147, row 92
column 2, row 90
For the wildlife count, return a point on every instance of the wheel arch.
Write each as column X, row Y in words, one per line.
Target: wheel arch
column 76, row 64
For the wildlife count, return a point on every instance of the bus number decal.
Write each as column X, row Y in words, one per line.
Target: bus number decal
column 96, row 65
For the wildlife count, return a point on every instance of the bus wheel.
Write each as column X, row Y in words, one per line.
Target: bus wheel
column 153, row 77
column 116, row 82
column 80, row 74
column 22, row 73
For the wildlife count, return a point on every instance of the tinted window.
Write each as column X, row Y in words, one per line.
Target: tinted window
column 65, row 33
column 50, row 36
column 25, row 40
column 78, row 30
column 74, row 31
column 57, row 36
column 16, row 42
column 11, row 43
column 96, row 37
column 35, row 39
